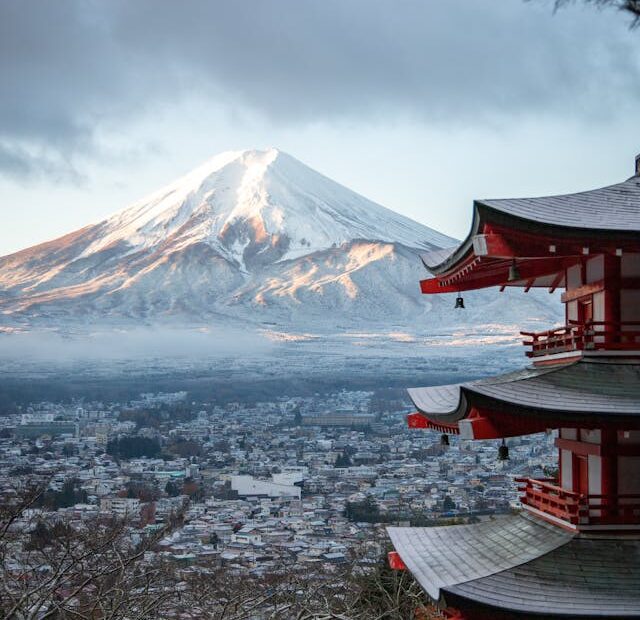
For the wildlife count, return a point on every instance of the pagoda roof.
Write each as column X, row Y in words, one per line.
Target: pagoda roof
column 441, row 557
column 614, row 207
column 585, row 577
column 589, row 387
column 523, row 229
column 520, row 563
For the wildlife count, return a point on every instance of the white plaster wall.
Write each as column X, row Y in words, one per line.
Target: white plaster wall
column 630, row 305
column 598, row 307
column 598, row 314
column 566, row 482
column 595, row 269
column 628, row 475
column 590, row 436
column 574, row 278
column 630, row 265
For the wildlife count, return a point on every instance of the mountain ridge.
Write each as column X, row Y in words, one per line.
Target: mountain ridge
column 253, row 235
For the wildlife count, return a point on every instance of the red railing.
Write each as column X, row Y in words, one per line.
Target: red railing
column 611, row 510
column 592, row 336
column 576, row 508
column 548, row 497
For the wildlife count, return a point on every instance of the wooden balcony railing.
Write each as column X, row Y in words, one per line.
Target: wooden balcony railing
column 592, row 336
column 548, row 497
column 579, row 509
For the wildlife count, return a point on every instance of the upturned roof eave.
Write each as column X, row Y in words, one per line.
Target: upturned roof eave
column 458, row 253
column 541, row 391
column 544, row 215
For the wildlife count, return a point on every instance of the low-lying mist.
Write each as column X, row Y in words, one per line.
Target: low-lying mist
column 131, row 344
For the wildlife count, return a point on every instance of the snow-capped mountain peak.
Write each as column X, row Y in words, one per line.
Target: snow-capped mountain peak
column 255, row 207
column 249, row 236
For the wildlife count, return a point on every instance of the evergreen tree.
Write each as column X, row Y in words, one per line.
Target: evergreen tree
column 343, row 460
column 448, row 504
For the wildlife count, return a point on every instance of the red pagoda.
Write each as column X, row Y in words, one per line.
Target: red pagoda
column 573, row 551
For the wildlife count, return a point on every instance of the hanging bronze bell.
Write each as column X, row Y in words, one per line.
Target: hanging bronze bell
column 444, row 439
column 459, row 303
column 503, row 451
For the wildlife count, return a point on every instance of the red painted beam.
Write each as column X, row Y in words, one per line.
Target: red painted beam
column 419, row 420
column 556, row 281
column 582, row 291
column 538, row 244
column 493, row 272
column 490, row 424
column 581, row 448
column 395, row 561
column 494, row 245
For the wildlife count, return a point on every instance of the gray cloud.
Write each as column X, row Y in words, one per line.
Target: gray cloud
column 70, row 67
column 19, row 163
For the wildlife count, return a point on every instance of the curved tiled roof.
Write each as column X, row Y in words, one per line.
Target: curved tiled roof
column 440, row 557
column 585, row 577
column 581, row 387
column 616, row 207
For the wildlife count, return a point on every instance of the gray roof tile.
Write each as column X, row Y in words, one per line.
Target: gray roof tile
column 443, row 556
column 595, row 577
column 615, row 207
column 584, row 387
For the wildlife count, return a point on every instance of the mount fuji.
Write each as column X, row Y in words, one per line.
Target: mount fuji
column 249, row 238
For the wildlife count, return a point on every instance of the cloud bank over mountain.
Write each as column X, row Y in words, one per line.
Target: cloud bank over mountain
column 74, row 71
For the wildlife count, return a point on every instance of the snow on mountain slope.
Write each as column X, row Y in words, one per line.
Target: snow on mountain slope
column 252, row 203
column 253, row 236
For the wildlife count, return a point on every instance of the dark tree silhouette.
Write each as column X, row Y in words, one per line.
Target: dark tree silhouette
column 343, row 460
column 629, row 7
column 128, row 447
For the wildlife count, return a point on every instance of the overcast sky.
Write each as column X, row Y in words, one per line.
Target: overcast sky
column 420, row 105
